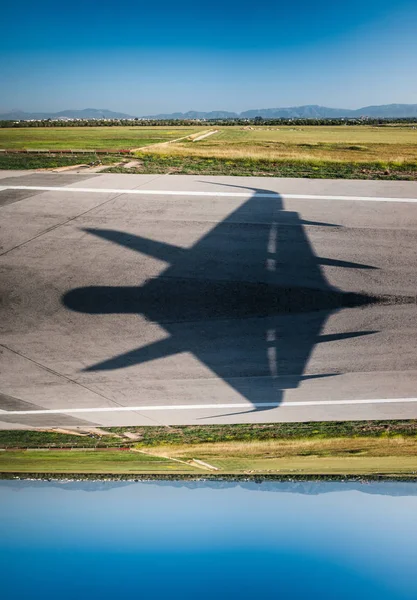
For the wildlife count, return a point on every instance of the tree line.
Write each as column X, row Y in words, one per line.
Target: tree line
column 212, row 122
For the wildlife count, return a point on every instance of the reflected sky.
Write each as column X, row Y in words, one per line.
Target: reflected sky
column 178, row 540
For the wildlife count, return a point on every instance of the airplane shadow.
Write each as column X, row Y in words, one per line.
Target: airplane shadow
column 249, row 299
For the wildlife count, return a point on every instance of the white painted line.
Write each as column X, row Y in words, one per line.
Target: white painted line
column 272, row 242
column 138, row 191
column 271, row 335
column 272, row 361
column 271, row 264
column 347, row 198
column 209, row 194
column 57, row 411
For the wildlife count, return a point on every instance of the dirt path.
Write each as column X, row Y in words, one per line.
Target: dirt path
column 184, row 137
column 205, row 135
column 194, row 463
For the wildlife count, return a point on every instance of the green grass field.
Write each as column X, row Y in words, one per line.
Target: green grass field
column 88, row 138
column 88, row 461
column 331, row 143
column 343, row 152
column 112, row 462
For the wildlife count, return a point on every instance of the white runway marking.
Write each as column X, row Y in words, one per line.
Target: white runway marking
column 209, row 194
column 272, row 360
column 56, row 411
column 272, row 242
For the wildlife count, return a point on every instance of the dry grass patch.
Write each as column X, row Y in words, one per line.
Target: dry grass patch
column 310, row 465
column 332, row 143
column 354, row 456
column 365, row 446
column 278, row 151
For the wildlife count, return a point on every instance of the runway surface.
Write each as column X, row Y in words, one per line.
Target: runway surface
column 144, row 300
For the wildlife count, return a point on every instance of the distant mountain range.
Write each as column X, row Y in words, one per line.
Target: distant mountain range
column 313, row 488
column 310, row 111
column 86, row 113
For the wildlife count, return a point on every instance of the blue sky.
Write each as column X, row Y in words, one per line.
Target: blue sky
column 193, row 540
column 148, row 57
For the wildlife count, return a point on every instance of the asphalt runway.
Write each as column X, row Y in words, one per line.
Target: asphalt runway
column 145, row 300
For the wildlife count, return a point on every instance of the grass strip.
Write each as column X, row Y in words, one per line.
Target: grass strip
column 193, row 165
column 50, row 161
column 198, row 434
column 19, row 438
